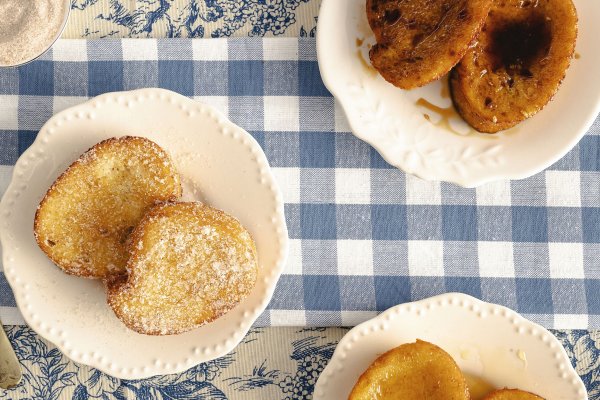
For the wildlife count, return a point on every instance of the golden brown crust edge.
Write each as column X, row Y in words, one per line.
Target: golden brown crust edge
column 118, row 283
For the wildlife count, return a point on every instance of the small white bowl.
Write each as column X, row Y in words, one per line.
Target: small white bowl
column 51, row 41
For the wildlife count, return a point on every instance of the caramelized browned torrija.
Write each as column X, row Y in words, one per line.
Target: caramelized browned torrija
column 517, row 65
column 418, row 43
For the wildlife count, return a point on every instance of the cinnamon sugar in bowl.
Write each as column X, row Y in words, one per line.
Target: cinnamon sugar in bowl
column 29, row 27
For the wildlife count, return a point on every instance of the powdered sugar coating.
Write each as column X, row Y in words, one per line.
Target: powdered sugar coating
column 87, row 215
column 190, row 264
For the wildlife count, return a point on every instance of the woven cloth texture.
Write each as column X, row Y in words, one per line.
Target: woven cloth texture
column 364, row 235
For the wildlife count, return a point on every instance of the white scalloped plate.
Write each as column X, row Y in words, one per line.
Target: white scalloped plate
column 220, row 164
column 486, row 340
column 391, row 121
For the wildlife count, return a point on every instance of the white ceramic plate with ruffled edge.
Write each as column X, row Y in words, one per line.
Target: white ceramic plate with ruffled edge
column 220, row 164
column 486, row 340
column 444, row 148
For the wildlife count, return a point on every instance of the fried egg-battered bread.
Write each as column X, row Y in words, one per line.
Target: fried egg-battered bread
column 190, row 264
column 516, row 67
column 420, row 41
column 86, row 216
column 417, row 370
column 512, row 394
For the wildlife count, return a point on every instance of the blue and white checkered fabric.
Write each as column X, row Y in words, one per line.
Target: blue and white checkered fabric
column 364, row 236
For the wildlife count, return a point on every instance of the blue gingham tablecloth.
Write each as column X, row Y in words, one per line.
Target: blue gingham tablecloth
column 364, row 236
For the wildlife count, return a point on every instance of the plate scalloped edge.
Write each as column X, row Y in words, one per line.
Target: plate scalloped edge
column 248, row 313
column 384, row 322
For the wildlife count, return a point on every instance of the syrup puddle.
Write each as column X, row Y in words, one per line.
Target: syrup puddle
column 523, row 357
column 366, row 65
column 449, row 119
column 445, row 116
column 478, row 387
column 362, row 51
column 445, row 91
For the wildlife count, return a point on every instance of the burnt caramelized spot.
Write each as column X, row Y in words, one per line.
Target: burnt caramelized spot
column 125, row 234
column 377, row 5
column 418, row 38
column 391, row 17
column 526, row 73
column 517, row 45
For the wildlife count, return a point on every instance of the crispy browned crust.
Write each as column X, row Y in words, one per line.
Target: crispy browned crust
column 419, row 370
column 144, row 300
column 418, row 43
column 511, row 394
column 492, row 95
column 91, row 241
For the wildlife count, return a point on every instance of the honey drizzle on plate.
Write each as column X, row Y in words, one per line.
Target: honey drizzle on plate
column 478, row 387
column 446, row 114
column 445, row 91
column 365, row 63
column 577, row 56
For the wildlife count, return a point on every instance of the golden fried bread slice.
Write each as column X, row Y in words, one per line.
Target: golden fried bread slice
column 419, row 370
column 512, row 394
column 190, row 264
column 419, row 42
column 519, row 61
column 84, row 220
